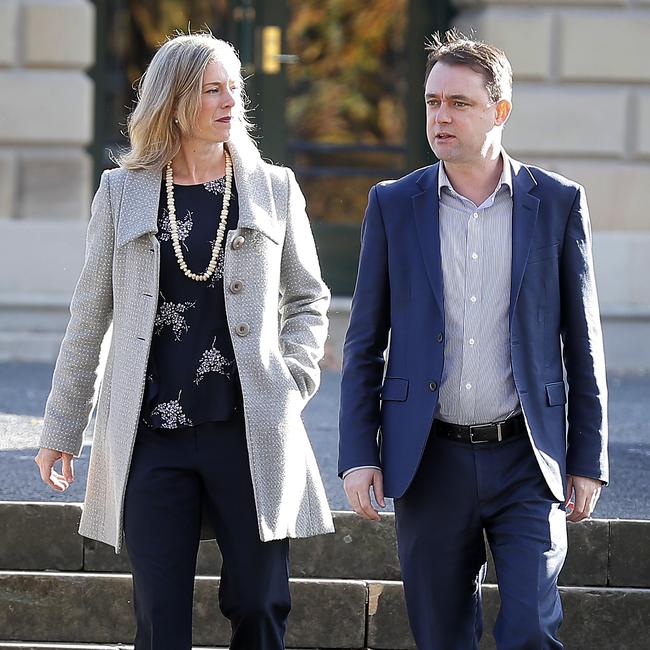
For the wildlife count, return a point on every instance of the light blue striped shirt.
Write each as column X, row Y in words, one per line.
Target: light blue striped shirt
column 476, row 249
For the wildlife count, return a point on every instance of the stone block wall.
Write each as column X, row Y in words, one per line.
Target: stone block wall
column 582, row 108
column 46, row 123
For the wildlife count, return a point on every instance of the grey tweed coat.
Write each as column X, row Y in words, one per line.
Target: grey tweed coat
column 278, row 324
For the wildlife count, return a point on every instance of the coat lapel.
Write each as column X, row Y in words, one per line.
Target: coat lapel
column 425, row 210
column 524, row 216
column 141, row 197
column 139, row 205
column 255, row 191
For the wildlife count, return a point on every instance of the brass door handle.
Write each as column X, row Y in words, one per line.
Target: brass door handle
column 272, row 58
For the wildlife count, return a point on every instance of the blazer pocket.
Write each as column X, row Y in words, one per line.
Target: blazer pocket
column 395, row 389
column 555, row 393
column 543, row 253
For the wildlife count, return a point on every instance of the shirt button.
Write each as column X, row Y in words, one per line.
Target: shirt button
column 475, row 215
column 238, row 242
column 236, row 286
column 471, row 341
column 472, row 299
column 440, row 337
column 243, row 329
column 474, row 256
column 468, row 386
column 433, row 386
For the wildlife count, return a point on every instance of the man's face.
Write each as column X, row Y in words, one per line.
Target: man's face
column 462, row 122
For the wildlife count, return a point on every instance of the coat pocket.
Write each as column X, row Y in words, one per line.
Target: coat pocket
column 556, row 393
column 395, row 389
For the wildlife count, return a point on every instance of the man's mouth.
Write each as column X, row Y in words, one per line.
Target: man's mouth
column 444, row 136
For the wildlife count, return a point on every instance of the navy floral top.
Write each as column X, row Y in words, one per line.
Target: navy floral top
column 191, row 376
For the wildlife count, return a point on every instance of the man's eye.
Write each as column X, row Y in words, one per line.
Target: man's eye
column 460, row 104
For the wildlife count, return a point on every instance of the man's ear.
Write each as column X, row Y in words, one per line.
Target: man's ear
column 503, row 109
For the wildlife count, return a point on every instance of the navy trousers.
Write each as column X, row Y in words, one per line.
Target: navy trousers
column 460, row 491
column 173, row 474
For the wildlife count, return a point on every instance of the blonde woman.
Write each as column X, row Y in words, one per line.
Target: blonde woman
column 194, row 246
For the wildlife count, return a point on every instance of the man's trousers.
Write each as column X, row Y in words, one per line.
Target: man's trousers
column 461, row 490
column 173, row 474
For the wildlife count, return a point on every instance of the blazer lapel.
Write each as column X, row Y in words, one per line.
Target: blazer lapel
column 426, row 213
column 524, row 216
column 139, row 205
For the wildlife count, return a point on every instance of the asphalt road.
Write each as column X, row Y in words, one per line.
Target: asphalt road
column 24, row 389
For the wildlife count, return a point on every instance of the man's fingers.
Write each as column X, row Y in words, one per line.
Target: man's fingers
column 366, row 507
column 378, row 488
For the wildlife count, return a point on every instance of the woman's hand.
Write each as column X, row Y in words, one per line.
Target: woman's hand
column 45, row 460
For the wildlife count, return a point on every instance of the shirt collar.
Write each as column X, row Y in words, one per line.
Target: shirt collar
column 506, row 176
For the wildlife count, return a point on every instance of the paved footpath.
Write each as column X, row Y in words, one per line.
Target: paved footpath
column 24, row 389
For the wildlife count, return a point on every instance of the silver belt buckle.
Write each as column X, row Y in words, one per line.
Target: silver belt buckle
column 483, row 426
column 471, row 433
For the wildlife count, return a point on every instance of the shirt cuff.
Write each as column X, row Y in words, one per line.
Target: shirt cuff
column 354, row 469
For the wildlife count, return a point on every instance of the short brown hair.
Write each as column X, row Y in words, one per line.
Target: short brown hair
column 454, row 48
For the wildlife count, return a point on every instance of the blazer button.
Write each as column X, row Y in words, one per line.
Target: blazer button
column 243, row 329
column 440, row 338
column 236, row 286
column 433, row 386
column 238, row 242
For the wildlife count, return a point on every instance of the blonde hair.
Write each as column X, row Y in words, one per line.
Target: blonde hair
column 170, row 90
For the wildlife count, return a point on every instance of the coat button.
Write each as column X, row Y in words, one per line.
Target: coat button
column 440, row 338
column 238, row 242
column 236, row 286
column 243, row 329
column 433, row 386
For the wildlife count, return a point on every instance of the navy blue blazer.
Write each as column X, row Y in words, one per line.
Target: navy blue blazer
column 385, row 417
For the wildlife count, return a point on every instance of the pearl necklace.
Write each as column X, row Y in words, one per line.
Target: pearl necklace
column 221, row 231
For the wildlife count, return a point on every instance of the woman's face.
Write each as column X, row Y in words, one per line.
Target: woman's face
column 219, row 94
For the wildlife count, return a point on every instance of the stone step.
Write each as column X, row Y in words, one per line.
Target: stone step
column 602, row 553
column 593, row 618
column 51, row 608
column 97, row 608
column 28, row 645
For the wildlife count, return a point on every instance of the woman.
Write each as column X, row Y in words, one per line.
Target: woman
column 194, row 246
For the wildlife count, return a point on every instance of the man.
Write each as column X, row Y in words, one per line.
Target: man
column 480, row 269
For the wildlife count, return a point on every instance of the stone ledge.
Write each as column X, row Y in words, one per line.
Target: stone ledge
column 629, row 553
column 567, row 120
column 59, row 34
column 466, row 4
column 8, row 181
column 523, row 34
column 97, row 608
column 642, row 139
column 359, row 550
column 591, row 615
column 34, row 537
column 69, row 115
column 582, row 31
column 8, row 31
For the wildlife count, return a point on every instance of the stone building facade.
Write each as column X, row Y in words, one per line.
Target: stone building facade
column 581, row 107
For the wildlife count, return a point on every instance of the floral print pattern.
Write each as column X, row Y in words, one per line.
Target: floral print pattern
column 172, row 414
column 171, row 313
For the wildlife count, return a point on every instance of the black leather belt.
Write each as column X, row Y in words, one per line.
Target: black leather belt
column 477, row 433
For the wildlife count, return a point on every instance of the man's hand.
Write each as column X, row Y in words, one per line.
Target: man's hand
column 357, row 486
column 45, row 460
column 585, row 492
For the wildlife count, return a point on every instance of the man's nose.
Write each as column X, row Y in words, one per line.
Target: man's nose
column 442, row 114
